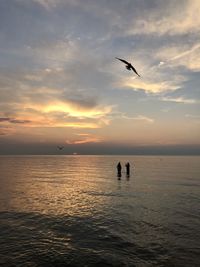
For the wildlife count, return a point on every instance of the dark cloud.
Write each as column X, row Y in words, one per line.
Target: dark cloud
column 2, row 132
column 4, row 119
column 15, row 121
column 82, row 101
column 19, row 121
column 5, row 130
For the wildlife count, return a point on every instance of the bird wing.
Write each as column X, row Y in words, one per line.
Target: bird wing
column 126, row 62
column 134, row 70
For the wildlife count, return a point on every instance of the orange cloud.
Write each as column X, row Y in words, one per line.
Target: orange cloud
column 149, row 86
column 86, row 138
column 59, row 114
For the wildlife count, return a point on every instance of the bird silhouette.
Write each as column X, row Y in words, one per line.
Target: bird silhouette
column 129, row 66
column 60, row 147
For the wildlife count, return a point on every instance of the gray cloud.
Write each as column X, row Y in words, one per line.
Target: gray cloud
column 4, row 119
column 15, row 121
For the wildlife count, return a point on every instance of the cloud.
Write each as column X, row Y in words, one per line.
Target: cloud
column 15, row 121
column 58, row 67
column 192, row 116
column 6, row 130
column 136, row 17
column 187, row 55
column 139, row 118
column 85, row 138
column 73, row 110
column 121, row 115
column 59, row 114
column 3, row 132
column 195, row 118
column 54, row 53
column 155, row 79
column 19, row 121
column 37, row 105
column 179, row 100
column 67, row 114
column 173, row 19
column 4, row 119
column 150, row 85
column 47, row 3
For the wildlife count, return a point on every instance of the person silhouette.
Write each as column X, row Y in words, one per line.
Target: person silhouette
column 127, row 168
column 119, row 169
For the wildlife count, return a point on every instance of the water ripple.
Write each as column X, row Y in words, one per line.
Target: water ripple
column 73, row 211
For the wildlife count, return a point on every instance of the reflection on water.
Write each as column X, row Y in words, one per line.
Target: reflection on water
column 56, row 186
column 63, row 210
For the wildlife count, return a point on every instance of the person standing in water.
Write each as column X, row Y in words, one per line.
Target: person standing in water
column 127, row 168
column 119, row 170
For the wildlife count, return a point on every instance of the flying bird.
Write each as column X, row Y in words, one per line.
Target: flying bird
column 60, row 147
column 129, row 66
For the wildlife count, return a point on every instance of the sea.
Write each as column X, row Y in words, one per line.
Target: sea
column 76, row 211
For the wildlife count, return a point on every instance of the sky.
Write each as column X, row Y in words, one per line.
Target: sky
column 60, row 83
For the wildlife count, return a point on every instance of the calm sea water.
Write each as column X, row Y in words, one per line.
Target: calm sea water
column 73, row 211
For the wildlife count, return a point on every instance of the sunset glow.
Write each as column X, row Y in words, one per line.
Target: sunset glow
column 60, row 81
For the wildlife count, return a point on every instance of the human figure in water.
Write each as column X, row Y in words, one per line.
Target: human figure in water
column 119, row 170
column 127, row 169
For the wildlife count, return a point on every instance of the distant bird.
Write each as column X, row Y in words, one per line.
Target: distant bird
column 129, row 66
column 60, row 147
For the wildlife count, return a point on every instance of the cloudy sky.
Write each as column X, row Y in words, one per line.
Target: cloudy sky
column 60, row 83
